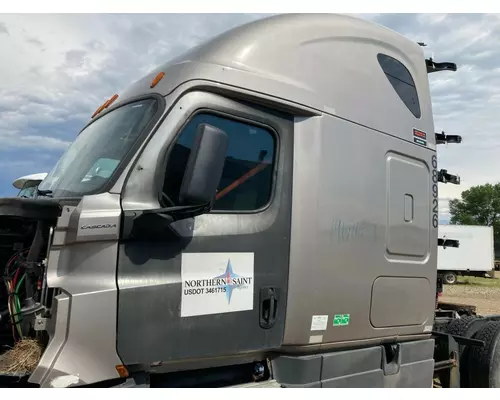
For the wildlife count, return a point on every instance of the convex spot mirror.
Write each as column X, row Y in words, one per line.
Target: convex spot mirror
column 204, row 167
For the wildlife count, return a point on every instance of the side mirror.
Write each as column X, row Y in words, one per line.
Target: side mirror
column 204, row 166
column 198, row 188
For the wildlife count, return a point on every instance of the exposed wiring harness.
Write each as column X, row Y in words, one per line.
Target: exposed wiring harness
column 14, row 278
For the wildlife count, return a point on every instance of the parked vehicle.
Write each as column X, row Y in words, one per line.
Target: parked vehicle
column 474, row 257
column 27, row 185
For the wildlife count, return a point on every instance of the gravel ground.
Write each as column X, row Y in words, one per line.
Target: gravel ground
column 485, row 297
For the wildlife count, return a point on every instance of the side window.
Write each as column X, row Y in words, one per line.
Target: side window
column 402, row 82
column 247, row 175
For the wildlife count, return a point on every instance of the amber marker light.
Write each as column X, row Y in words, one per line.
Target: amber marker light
column 157, row 79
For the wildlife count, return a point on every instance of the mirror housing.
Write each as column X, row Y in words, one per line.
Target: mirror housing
column 204, row 166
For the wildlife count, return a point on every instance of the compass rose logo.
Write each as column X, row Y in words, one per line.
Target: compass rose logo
column 231, row 280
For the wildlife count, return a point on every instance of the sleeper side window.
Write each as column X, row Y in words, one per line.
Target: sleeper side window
column 247, row 177
column 402, row 82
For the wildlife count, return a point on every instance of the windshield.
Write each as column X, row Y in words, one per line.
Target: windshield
column 89, row 163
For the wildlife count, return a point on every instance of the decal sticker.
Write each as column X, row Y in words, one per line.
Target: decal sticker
column 315, row 339
column 215, row 283
column 419, row 137
column 420, row 141
column 341, row 319
column 319, row 322
column 420, row 134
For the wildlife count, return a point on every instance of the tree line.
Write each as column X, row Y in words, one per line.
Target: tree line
column 479, row 205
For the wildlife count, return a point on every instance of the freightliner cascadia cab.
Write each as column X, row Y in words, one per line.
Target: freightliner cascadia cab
column 260, row 207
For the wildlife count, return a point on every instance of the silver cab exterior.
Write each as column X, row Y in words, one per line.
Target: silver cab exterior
column 341, row 225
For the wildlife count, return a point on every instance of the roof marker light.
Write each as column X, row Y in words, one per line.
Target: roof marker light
column 105, row 105
column 111, row 100
column 157, row 79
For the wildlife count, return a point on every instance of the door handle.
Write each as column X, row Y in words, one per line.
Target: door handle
column 269, row 297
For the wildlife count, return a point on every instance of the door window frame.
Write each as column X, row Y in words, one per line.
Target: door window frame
column 238, row 118
column 140, row 186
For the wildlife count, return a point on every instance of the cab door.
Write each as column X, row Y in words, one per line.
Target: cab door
column 215, row 285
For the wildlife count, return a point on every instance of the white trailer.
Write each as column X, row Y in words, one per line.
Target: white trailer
column 474, row 257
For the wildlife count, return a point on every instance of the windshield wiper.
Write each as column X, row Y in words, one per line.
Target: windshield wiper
column 45, row 193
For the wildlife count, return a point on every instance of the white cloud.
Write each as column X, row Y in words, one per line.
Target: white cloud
column 31, row 142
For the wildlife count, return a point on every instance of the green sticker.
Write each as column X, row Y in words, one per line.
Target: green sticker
column 341, row 319
column 420, row 141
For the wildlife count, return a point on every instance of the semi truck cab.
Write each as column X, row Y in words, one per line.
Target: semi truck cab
column 263, row 207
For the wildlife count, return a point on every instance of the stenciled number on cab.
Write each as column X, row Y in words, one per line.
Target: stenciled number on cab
column 435, row 202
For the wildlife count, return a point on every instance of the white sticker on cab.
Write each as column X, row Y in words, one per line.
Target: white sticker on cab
column 215, row 283
column 315, row 339
column 319, row 322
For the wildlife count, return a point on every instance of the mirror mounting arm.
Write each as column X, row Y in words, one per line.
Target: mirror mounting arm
column 140, row 220
column 177, row 212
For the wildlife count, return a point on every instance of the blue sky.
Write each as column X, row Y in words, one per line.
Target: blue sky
column 58, row 68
